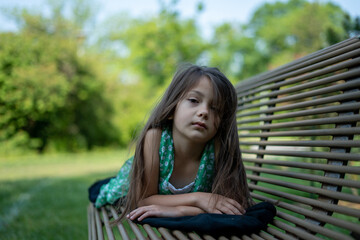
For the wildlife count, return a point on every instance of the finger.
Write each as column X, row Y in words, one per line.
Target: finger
column 145, row 215
column 225, row 207
column 137, row 213
column 226, row 210
column 234, row 203
column 239, row 208
column 232, row 209
column 213, row 210
column 150, row 213
column 132, row 213
column 144, row 212
column 230, row 206
column 217, row 211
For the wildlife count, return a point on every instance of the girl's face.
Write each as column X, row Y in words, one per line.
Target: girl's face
column 195, row 117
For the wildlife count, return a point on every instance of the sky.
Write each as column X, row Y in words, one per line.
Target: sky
column 215, row 12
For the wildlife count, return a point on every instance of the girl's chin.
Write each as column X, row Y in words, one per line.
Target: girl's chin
column 200, row 138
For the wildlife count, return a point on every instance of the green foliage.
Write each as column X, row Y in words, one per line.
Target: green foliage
column 235, row 53
column 134, row 103
column 157, row 45
column 63, row 90
column 64, row 18
column 278, row 33
column 289, row 30
column 51, row 95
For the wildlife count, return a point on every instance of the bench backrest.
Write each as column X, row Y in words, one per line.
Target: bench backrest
column 300, row 138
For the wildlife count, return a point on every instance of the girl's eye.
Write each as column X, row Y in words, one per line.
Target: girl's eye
column 193, row 100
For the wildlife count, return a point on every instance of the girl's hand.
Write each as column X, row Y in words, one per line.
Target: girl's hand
column 154, row 211
column 214, row 203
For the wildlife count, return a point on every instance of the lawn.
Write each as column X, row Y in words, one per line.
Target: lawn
column 45, row 197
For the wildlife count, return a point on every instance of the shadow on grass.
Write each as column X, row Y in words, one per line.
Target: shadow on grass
column 45, row 208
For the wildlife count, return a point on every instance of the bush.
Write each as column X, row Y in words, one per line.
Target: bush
column 50, row 93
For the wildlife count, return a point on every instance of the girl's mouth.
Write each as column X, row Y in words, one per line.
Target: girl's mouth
column 200, row 124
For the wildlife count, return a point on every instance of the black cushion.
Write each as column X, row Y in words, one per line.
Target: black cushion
column 256, row 218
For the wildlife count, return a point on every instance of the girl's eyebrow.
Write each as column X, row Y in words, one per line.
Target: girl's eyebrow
column 197, row 92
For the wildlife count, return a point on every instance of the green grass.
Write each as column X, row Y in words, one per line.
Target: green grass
column 45, row 197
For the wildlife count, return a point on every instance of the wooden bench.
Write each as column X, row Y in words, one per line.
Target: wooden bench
column 300, row 138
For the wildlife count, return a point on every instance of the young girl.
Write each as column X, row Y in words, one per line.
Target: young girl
column 187, row 160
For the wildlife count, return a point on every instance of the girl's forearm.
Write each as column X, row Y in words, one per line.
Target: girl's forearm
column 186, row 199
column 207, row 202
column 189, row 210
column 163, row 211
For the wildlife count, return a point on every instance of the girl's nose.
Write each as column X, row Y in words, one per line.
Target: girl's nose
column 203, row 112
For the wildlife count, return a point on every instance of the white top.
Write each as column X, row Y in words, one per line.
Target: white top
column 185, row 189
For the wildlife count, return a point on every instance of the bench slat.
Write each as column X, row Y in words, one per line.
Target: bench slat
column 295, row 230
column 136, row 230
column 150, row 232
column 295, row 64
column 315, row 143
column 120, row 226
column 307, row 85
column 305, row 165
column 208, row 237
column 304, row 154
column 92, row 228
column 194, row 236
column 308, row 189
column 108, row 229
column 317, row 132
column 308, row 122
column 326, row 66
column 309, row 177
column 281, row 235
column 312, row 227
column 308, row 201
column 322, row 110
column 166, row 233
column 246, row 238
column 180, row 235
column 98, row 223
column 309, row 213
column 266, row 235
column 252, row 236
column 308, row 103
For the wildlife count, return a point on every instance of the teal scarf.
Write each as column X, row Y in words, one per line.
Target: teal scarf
column 205, row 174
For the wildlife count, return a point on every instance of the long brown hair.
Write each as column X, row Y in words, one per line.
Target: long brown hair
column 230, row 177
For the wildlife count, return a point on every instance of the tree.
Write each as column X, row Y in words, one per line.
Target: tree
column 235, row 53
column 292, row 29
column 50, row 92
column 155, row 46
column 277, row 34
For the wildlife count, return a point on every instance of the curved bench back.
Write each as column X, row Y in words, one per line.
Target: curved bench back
column 299, row 129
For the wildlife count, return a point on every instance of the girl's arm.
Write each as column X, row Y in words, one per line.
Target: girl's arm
column 174, row 206
column 207, row 202
column 163, row 211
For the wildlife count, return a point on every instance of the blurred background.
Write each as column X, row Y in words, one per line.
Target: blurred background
column 78, row 79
